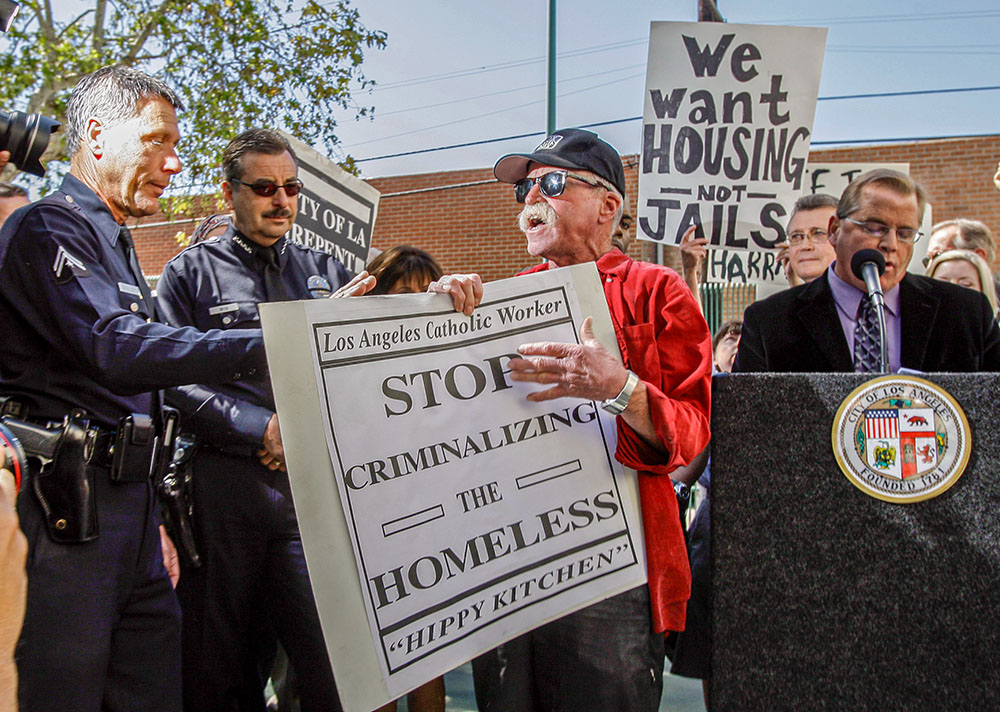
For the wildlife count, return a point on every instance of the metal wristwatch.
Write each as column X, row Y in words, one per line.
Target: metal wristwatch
column 615, row 406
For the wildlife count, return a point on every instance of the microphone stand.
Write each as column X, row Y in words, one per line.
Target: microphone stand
column 871, row 277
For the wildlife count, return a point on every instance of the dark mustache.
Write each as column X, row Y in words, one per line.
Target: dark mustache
column 279, row 213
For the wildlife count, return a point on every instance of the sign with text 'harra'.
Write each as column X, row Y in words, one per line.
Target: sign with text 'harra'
column 336, row 209
column 762, row 268
column 727, row 119
column 443, row 513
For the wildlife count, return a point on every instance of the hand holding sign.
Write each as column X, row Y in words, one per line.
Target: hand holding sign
column 466, row 290
column 357, row 287
column 693, row 253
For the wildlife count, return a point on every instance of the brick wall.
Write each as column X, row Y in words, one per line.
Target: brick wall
column 469, row 222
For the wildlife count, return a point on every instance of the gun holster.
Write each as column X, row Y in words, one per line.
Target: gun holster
column 65, row 489
column 174, row 490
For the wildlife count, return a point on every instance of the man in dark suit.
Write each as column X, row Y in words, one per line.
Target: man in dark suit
column 931, row 325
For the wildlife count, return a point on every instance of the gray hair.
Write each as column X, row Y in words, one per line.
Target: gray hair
column 606, row 184
column 813, row 201
column 112, row 95
column 972, row 235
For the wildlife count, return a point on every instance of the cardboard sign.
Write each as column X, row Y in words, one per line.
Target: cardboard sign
column 442, row 513
column 762, row 268
column 336, row 209
column 727, row 120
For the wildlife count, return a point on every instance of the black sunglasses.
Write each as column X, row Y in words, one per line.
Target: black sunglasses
column 267, row 188
column 551, row 184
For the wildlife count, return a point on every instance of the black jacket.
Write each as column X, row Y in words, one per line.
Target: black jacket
column 944, row 328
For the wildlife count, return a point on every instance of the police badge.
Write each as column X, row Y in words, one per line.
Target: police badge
column 901, row 439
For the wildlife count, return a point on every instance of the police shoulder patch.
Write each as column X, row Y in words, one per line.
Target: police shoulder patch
column 67, row 266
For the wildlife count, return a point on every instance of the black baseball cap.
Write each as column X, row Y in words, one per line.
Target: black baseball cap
column 567, row 148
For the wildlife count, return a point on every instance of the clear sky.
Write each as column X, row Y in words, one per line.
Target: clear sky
column 456, row 72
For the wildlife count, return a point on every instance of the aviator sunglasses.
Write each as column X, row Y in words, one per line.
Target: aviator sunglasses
column 551, row 184
column 267, row 188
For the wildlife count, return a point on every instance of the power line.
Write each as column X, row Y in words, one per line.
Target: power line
column 639, row 118
column 589, row 75
column 927, row 17
column 490, row 113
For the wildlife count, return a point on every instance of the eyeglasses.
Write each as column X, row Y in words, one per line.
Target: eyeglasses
column 880, row 230
column 816, row 235
column 551, row 184
column 267, row 188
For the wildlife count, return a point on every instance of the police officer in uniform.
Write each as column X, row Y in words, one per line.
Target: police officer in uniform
column 254, row 572
column 82, row 355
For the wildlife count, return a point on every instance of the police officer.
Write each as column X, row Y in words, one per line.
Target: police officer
column 254, row 572
column 102, row 627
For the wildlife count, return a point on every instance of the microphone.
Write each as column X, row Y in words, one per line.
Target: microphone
column 868, row 265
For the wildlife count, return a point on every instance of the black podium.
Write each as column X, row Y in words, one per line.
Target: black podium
column 828, row 599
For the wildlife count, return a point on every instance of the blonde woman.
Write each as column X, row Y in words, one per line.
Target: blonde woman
column 965, row 268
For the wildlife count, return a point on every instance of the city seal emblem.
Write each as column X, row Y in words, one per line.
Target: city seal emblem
column 901, row 439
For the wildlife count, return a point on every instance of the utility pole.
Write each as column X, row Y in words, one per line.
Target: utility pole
column 551, row 118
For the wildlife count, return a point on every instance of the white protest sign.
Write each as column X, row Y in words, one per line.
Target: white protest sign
column 727, row 119
column 336, row 209
column 762, row 268
column 441, row 512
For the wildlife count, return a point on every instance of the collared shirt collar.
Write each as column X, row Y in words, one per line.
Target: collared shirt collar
column 92, row 206
column 247, row 249
column 613, row 263
column 847, row 297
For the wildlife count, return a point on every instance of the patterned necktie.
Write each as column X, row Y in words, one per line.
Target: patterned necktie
column 867, row 343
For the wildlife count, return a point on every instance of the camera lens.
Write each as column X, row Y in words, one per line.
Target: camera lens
column 26, row 136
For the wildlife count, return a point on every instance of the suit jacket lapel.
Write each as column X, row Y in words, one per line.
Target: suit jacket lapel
column 818, row 315
column 918, row 310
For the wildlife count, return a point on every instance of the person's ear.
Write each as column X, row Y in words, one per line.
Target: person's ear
column 94, row 137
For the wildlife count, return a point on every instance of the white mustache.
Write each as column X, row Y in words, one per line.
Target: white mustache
column 540, row 211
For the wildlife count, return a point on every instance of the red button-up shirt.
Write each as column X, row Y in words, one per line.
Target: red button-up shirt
column 664, row 339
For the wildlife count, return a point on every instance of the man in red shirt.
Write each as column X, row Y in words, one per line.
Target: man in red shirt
column 609, row 655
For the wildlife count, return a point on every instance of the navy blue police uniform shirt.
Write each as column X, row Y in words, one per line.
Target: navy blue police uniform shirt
column 217, row 284
column 76, row 330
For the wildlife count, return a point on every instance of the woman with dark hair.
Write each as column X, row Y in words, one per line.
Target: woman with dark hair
column 408, row 270
column 403, row 270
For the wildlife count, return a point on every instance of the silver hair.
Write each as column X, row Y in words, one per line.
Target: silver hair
column 112, row 95
column 972, row 235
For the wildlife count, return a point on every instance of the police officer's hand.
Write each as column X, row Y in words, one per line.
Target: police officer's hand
column 4, row 159
column 171, row 562
column 272, row 455
column 13, row 589
column 360, row 285
column 466, row 290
